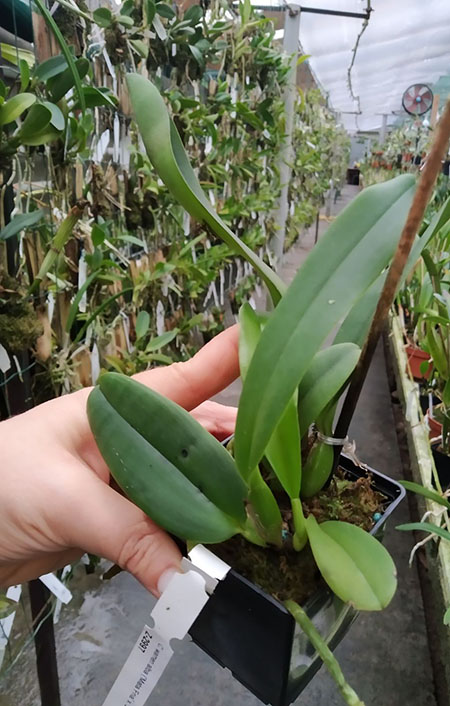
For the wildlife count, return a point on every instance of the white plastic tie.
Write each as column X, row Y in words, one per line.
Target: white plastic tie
column 348, row 447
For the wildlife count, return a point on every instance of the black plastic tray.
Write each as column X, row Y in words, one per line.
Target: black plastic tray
column 252, row 634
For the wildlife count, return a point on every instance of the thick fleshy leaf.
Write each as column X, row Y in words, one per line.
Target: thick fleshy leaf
column 60, row 84
column 446, row 618
column 142, row 324
column 425, row 492
column 355, row 565
column 163, row 340
column 48, row 134
column 15, row 106
column 355, row 249
column 57, row 119
column 328, row 372
column 38, row 118
column 425, row 527
column 72, row 64
column 7, row 606
column 356, row 325
column 50, row 67
column 103, row 17
column 283, row 449
column 166, row 152
column 20, row 222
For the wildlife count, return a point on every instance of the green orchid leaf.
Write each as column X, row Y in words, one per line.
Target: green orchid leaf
column 142, row 324
column 426, row 492
column 150, row 9
column 20, row 222
column 57, row 119
column 15, row 106
column 165, row 10
column 48, row 134
column 357, row 324
column 251, row 325
column 24, row 69
column 125, row 21
column 73, row 67
column 425, row 527
column 16, row 56
column 283, row 449
column 355, row 565
column 264, row 509
column 446, row 618
column 95, row 97
column 50, row 68
column 7, row 606
column 193, row 14
column 103, row 17
column 346, row 261
column 163, row 340
column 60, row 84
column 37, row 120
column 445, row 391
column 436, row 349
column 329, row 370
column 166, row 152
column 73, row 311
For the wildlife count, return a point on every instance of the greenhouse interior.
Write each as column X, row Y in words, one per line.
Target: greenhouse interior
column 224, row 352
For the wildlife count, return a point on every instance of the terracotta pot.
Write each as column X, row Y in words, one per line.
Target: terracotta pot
column 416, row 356
column 434, row 426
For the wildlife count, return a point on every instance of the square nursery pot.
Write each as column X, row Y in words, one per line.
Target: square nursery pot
column 256, row 638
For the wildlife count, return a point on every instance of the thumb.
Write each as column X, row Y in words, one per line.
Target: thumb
column 109, row 525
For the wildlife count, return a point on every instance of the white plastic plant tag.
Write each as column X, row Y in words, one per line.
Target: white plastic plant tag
column 57, row 612
column 56, row 587
column 178, row 607
column 5, row 361
column 82, row 276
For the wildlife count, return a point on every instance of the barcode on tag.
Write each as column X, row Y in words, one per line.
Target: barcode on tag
column 177, row 608
column 140, row 673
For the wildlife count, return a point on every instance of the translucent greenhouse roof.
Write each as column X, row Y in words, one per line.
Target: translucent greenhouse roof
column 406, row 42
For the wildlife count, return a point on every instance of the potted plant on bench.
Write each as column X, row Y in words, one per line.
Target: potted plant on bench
column 262, row 503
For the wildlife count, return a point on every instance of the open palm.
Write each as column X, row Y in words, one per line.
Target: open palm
column 56, row 501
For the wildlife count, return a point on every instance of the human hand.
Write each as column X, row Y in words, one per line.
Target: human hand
column 55, row 499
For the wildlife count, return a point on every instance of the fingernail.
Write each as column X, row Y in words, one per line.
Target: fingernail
column 165, row 579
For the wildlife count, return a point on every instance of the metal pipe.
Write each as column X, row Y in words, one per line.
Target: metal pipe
column 337, row 13
column 312, row 10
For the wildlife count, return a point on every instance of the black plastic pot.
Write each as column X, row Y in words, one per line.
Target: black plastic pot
column 252, row 634
column 442, row 463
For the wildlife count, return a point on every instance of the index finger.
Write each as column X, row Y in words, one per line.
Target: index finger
column 192, row 382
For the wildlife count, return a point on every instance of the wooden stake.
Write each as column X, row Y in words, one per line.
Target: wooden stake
column 434, row 110
column 427, row 179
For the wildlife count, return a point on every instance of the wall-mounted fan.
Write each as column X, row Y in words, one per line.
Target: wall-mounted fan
column 417, row 99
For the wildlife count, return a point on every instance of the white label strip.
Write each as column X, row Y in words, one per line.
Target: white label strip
column 174, row 613
column 5, row 362
column 142, row 670
column 56, row 587
column 65, row 572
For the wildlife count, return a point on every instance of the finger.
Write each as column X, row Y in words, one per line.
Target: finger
column 218, row 419
column 212, row 369
column 21, row 571
column 109, row 525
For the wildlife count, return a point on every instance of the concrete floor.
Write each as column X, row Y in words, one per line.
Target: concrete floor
column 385, row 656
